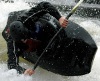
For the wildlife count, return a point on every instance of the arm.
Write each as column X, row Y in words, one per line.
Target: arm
column 13, row 58
column 45, row 7
column 42, row 8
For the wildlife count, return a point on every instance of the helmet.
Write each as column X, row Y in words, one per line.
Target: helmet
column 18, row 31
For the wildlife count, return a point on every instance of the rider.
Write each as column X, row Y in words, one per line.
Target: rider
column 27, row 26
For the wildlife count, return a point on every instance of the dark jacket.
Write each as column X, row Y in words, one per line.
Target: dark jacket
column 29, row 19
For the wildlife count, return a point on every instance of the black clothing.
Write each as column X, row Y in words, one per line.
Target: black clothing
column 30, row 17
column 30, row 20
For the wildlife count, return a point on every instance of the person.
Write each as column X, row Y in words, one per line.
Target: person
column 27, row 26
